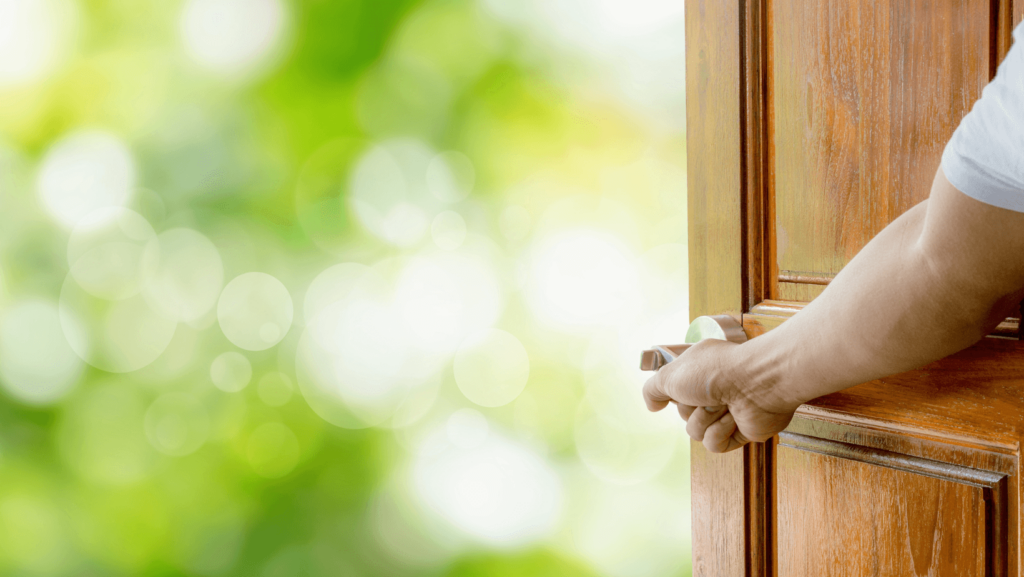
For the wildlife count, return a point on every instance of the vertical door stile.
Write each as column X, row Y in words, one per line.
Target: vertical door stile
column 755, row 145
column 757, row 266
column 716, row 248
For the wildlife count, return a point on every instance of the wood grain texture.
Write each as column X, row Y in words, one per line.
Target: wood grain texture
column 756, row 149
column 759, row 478
column 866, row 95
column 974, row 396
column 839, row 516
column 718, row 508
column 993, row 486
column 966, row 409
column 919, row 443
column 714, row 160
column 810, row 127
column 715, row 190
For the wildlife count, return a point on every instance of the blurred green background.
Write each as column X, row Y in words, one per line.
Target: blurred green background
column 340, row 287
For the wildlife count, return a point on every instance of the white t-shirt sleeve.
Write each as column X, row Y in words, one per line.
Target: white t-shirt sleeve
column 985, row 157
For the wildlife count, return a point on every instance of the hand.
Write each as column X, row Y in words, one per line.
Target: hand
column 713, row 373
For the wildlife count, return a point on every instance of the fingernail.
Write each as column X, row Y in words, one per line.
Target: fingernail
column 713, row 409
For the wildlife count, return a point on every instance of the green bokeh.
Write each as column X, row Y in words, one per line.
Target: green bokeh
column 158, row 472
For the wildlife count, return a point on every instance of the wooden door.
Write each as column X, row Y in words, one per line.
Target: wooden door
column 811, row 126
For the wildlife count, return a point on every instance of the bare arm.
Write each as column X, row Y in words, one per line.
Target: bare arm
column 933, row 282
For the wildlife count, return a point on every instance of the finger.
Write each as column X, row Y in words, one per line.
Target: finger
column 685, row 411
column 699, row 421
column 734, row 444
column 718, row 435
column 654, row 395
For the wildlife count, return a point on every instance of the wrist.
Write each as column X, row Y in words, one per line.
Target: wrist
column 766, row 375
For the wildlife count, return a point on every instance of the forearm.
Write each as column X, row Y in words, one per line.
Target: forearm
column 889, row 310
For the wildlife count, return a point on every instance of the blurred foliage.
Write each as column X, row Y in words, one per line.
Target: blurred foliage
column 477, row 159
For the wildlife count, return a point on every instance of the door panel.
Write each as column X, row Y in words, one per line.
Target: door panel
column 848, row 510
column 864, row 96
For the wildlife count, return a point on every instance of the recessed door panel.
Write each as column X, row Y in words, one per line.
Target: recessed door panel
column 864, row 97
column 860, row 512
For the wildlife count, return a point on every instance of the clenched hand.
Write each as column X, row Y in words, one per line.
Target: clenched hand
column 713, row 374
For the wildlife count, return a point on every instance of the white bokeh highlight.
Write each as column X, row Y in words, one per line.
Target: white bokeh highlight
column 451, row 176
column 467, row 428
column 255, row 311
column 84, row 172
column 448, row 230
column 106, row 252
column 491, row 368
column 32, row 35
column 184, row 274
column 583, row 278
column 331, row 286
column 616, row 437
column 397, row 190
column 627, row 49
column 231, row 372
column 37, row 365
column 445, row 297
column 379, row 337
column 637, row 531
column 231, row 37
column 499, row 493
column 115, row 336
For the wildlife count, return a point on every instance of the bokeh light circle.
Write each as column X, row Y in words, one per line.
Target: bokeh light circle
column 184, row 274
column 583, row 278
column 255, row 311
column 30, row 39
column 37, row 365
column 451, row 176
column 107, row 250
column 448, row 230
column 491, row 368
column 616, row 437
column 618, row 454
column 331, row 286
column 372, row 356
column 273, row 450
column 641, row 530
column 84, row 172
column 389, row 193
column 445, row 297
column 351, row 366
column 500, row 492
column 231, row 372
column 177, row 424
column 115, row 336
column 467, row 428
column 231, row 36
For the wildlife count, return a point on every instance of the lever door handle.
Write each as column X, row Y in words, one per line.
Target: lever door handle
column 722, row 327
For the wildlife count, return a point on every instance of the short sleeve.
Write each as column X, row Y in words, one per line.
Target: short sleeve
column 984, row 159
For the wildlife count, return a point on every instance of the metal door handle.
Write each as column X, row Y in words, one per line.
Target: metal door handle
column 722, row 327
